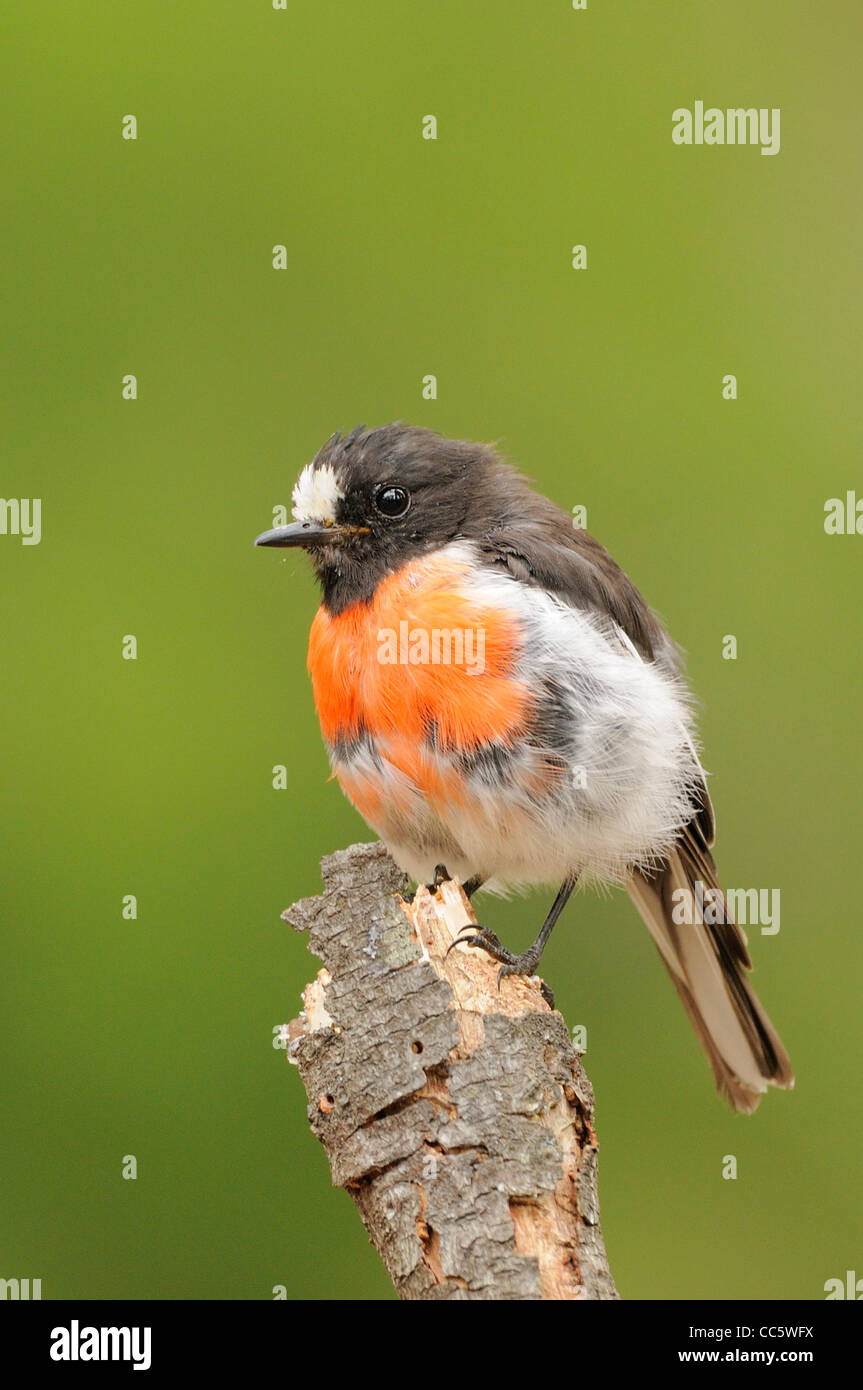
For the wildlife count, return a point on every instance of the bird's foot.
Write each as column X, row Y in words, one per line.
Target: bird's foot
column 441, row 875
column 510, row 964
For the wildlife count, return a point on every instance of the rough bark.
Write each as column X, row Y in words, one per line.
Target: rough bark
column 458, row 1117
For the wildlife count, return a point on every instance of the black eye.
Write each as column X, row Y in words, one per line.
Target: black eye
column 391, row 500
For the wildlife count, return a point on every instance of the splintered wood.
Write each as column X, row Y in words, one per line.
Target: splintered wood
column 457, row 1115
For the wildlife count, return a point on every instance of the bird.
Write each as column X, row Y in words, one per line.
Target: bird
column 501, row 705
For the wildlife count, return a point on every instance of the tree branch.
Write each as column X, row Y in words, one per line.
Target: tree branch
column 458, row 1116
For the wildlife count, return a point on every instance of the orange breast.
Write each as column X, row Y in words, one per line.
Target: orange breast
column 364, row 675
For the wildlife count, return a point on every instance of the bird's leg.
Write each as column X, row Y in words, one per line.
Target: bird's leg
column 526, row 963
column 470, row 885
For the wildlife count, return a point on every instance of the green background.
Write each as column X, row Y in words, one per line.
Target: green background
column 407, row 257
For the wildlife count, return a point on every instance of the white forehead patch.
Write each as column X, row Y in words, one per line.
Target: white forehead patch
column 316, row 494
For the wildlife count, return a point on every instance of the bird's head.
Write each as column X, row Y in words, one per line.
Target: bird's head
column 374, row 499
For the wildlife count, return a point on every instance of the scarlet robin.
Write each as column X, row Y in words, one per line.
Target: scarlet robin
column 497, row 697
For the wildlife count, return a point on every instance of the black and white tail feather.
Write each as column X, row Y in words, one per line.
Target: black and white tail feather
column 709, row 965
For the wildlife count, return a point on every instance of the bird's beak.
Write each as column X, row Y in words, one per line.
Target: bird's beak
column 307, row 533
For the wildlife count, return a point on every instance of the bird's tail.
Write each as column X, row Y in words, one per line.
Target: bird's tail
column 709, row 965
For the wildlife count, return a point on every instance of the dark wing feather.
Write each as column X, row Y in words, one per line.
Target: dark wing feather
column 549, row 552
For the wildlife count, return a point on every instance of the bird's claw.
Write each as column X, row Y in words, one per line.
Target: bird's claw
column 489, row 941
column 465, row 937
column 441, row 875
column 511, row 964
